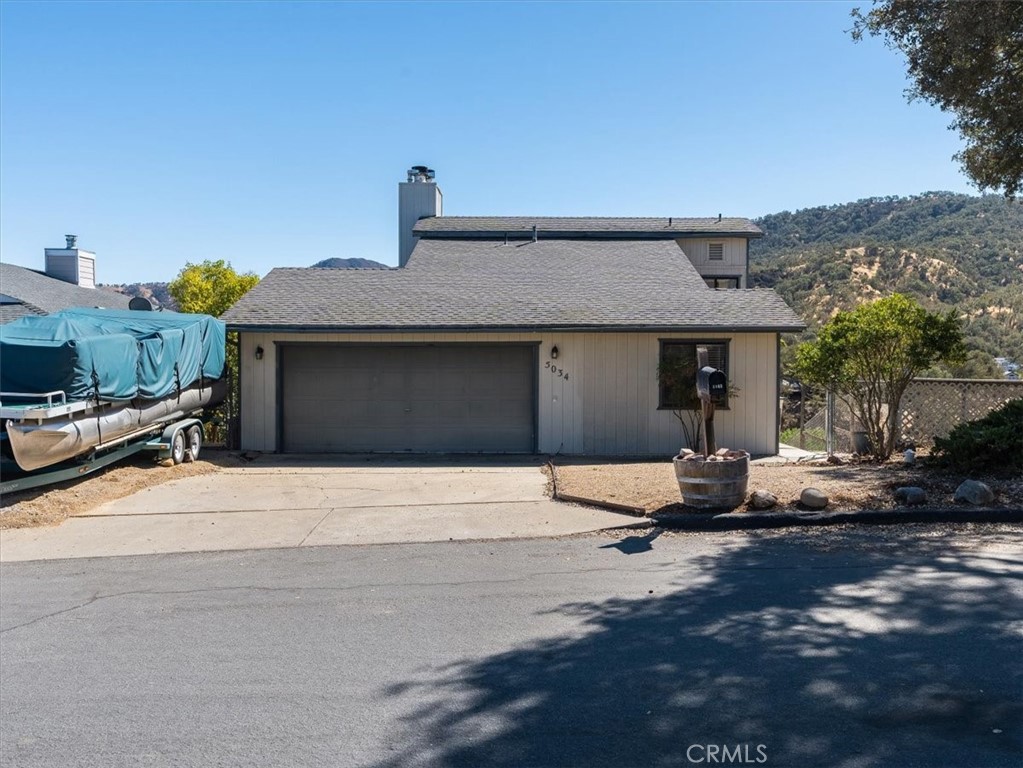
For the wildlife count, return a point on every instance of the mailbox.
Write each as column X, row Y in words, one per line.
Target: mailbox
column 712, row 385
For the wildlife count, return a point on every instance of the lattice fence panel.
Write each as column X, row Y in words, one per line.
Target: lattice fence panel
column 933, row 407
column 930, row 408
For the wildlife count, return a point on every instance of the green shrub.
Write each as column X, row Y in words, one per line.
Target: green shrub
column 994, row 442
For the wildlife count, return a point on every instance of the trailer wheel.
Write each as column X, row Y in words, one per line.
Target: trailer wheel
column 194, row 442
column 177, row 449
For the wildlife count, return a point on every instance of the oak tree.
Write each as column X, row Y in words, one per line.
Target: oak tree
column 211, row 288
column 967, row 59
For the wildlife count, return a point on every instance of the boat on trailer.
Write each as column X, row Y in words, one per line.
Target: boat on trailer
column 82, row 388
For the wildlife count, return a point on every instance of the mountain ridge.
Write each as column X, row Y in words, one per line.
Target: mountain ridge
column 352, row 263
column 944, row 249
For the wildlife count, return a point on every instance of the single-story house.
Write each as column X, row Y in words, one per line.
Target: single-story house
column 69, row 280
column 510, row 334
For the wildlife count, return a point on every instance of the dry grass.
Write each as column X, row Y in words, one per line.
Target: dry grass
column 51, row 505
column 652, row 485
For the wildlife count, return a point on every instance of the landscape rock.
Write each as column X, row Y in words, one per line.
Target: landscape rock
column 762, row 499
column 685, row 453
column 909, row 457
column 910, row 495
column 813, row 499
column 974, row 492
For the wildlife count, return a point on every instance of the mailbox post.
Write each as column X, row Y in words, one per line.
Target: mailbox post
column 712, row 389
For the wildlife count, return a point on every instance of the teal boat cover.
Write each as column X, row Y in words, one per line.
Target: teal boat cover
column 110, row 354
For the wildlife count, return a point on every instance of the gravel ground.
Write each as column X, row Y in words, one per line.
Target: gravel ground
column 53, row 504
column 849, row 487
column 650, row 485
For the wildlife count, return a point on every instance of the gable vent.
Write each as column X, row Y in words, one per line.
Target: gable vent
column 716, row 252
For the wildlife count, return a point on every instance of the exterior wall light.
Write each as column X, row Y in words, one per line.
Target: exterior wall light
column 554, row 352
column 259, row 353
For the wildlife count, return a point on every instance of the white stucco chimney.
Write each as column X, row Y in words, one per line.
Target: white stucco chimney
column 72, row 264
column 417, row 198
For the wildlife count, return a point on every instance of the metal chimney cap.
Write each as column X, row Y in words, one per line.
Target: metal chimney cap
column 421, row 173
column 72, row 241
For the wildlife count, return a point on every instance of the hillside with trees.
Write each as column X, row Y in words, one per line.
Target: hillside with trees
column 947, row 251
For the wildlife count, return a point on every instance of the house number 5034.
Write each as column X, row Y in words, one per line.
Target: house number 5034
column 555, row 371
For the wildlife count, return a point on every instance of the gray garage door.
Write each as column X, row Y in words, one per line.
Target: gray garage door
column 459, row 398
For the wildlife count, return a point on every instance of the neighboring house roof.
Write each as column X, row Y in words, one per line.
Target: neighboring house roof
column 28, row 292
column 583, row 226
column 550, row 284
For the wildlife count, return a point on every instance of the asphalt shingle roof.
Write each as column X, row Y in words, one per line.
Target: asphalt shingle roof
column 583, row 226
column 466, row 284
column 40, row 294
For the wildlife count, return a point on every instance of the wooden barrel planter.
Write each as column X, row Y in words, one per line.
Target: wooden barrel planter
column 718, row 484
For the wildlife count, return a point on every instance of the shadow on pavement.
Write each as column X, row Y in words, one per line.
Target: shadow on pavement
column 850, row 653
column 633, row 545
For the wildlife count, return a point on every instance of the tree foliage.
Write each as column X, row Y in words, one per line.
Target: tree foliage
column 966, row 58
column 868, row 356
column 976, row 365
column 210, row 288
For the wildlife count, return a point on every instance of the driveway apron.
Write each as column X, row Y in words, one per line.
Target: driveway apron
column 294, row 501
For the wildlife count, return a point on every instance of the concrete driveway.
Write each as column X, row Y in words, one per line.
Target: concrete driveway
column 295, row 501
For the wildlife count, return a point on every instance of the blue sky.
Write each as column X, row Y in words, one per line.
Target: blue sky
column 274, row 134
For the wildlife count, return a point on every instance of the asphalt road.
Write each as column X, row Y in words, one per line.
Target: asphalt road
column 856, row 648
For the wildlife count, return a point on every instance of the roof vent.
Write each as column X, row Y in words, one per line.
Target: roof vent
column 72, row 241
column 140, row 304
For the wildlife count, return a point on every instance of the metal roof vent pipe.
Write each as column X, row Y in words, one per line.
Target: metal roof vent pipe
column 535, row 238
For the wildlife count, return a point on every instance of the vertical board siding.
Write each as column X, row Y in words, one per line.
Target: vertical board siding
column 732, row 265
column 698, row 251
column 608, row 405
